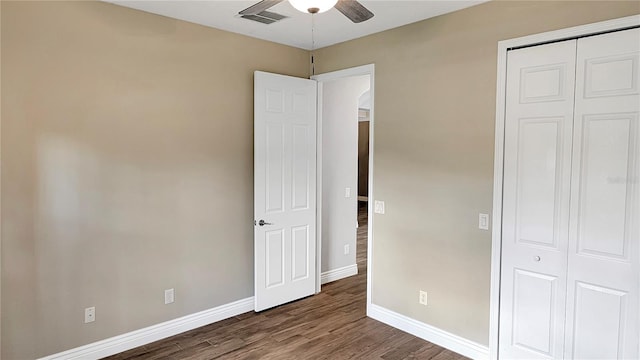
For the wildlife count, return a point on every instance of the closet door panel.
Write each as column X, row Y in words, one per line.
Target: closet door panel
column 538, row 128
column 603, row 169
column 603, row 260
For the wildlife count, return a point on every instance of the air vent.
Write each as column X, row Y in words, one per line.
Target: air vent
column 265, row 17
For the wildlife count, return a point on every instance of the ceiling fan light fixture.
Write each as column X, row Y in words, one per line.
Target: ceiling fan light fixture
column 313, row 6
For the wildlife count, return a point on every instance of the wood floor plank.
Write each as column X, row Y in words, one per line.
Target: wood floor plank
column 158, row 351
column 331, row 325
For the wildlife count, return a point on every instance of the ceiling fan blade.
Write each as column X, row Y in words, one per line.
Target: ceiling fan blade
column 355, row 11
column 259, row 7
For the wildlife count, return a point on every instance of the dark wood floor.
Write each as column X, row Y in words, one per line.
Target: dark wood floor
column 330, row 325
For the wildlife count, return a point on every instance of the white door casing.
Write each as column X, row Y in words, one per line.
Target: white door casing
column 537, row 165
column 604, row 253
column 284, row 188
column 335, row 75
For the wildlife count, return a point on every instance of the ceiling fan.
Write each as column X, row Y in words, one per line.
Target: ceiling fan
column 352, row 9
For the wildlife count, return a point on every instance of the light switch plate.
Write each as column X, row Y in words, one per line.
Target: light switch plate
column 423, row 298
column 347, row 192
column 378, row 207
column 483, row 221
column 169, row 296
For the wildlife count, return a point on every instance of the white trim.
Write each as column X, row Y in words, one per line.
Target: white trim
column 340, row 273
column 496, row 226
column 468, row 348
column 124, row 342
column 340, row 74
column 318, row 186
column 1, row 245
column 370, row 217
column 503, row 46
column 572, row 32
column 355, row 71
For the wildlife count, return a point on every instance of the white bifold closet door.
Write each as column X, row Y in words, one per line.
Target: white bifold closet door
column 537, row 179
column 604, row 221
column 570, row 255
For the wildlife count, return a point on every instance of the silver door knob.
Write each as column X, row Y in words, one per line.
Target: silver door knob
column 263, row 223
column 536, row 258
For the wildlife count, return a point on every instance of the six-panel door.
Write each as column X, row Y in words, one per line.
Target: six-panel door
column 537, row 176
column 603, row 255
column 284, row 189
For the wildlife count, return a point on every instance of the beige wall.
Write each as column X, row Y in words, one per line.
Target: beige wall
column 434, row 138
column 126, row 152
column 127, row 169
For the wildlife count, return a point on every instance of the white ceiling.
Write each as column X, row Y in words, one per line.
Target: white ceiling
column 330, row 27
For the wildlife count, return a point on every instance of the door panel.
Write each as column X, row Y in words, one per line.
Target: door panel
column 535, row 306
column 301, row 188
column 284, row 189
column 611, row 76
column 603, row 259
column 599, row 329
column 543, row 83
column 605, row 159
column 300, row 249
column 538, row 128
column 274, row 258
column 274, row 187
column 537, row 178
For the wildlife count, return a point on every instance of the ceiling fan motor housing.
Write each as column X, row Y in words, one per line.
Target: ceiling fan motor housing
column 352, row 9
column 313, row 6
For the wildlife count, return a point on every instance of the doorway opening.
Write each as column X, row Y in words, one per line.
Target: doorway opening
column 364, row 110
column 345, row 129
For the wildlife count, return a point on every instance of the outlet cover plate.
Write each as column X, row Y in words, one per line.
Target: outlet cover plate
column 89, row 314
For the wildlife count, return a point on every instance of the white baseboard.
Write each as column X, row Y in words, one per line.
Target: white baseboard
column 337, row 274
column 120, row 343
column 432, row 334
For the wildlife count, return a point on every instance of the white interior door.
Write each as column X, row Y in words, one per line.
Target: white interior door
column 537, row 170
column 603, row 269
column 284, row 188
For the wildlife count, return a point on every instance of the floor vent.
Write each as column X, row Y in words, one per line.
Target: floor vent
column 265, row 17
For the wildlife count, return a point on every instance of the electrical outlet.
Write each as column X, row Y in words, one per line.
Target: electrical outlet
column 346, row 249
column 378, row 207
column 423, row 298
column 169, row 296
column 89, row 314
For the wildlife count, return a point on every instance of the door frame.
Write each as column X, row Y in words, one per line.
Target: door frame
column 320, row 78
column 496, row 235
